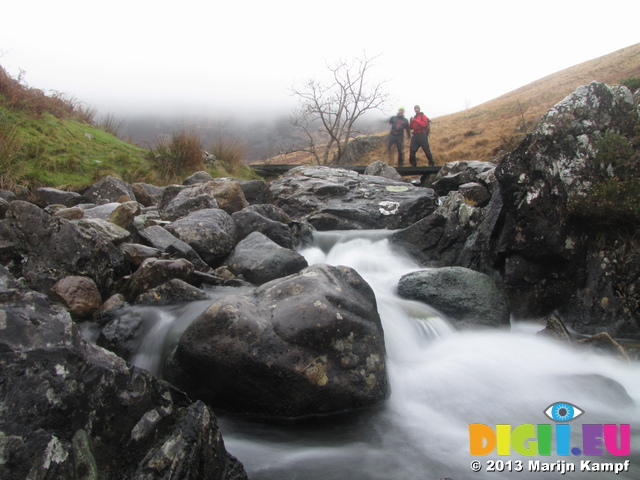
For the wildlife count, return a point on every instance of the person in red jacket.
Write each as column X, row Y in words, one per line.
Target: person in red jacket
column 420, row 139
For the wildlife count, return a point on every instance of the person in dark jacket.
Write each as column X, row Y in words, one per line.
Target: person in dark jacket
column 420, row 139
column 399, row 126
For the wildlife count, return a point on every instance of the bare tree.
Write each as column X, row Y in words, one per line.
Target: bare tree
column 327, row 112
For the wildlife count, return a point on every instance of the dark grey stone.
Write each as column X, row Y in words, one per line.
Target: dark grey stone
column 248, row 221
column 53, row 248
column 339, row 199
column 463, row 295
column 45, row 196
column 73, row 410
column 210, row 232
column 310, row 343
column 258, row 260
column 107, row 190
column 160, row 238
column 173, row 292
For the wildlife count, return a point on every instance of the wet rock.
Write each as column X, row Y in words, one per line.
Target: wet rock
column 271, row 212
column 103, row 228
column 361, row 146
column 108, row 190
column 547, row 259
column 173, row 292
column 199, row 279
column 248, row 221
column 148, row 218
column 211, row 233
column 438, row 239
column 381, row 169
column 258, row 260
column 8, row 196
column 160, row 238
column 147, row 195
column 253, row 190
column 101, row 211
column 136, row 253
column 178, row 202
column 475, row 194
column 535, row 238
column 306, row 344
column 154, row 272
column 228, row 194
column 124, row 214
column 52, row 248
column 45, row 196
column 468, row 297
column 108, row 309
column 606, row 343
column 338, row 199
column 454, row 174
column 198, row 177
column 556, row 329
column 73, row 410
column 73, row 213
column 224, row 273
column 4, row 206
column 22, row 193
column 78, row 294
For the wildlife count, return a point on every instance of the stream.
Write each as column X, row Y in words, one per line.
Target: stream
column 442, row 380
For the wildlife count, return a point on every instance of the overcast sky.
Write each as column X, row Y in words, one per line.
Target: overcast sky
column 221, row 57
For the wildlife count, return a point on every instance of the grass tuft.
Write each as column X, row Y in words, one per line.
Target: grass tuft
column 228, row 150
column 110, row 124
column 177, row 157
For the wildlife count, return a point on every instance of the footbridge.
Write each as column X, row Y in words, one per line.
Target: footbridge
column 274, row 170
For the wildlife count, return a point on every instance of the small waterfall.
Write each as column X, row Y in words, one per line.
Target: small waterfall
column 441, row 380
column 160, row 328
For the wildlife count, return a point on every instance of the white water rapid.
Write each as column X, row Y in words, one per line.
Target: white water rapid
column 441, row 380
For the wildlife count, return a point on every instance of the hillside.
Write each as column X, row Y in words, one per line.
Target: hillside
column 496, row 127
column 52, row 140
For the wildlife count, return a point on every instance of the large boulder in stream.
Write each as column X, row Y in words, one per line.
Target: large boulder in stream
column 467, row 297
column 340, row 199
column 74, row 410
column 529, row 236
column 310, row 343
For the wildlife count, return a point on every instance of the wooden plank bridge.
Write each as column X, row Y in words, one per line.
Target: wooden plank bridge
column 273, row 170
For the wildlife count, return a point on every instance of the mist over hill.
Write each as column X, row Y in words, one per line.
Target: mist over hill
column 263, row 137
column 482, row 132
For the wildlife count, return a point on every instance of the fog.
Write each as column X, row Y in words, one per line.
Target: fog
column 238, row 60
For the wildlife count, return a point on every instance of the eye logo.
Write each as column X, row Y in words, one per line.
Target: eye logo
column 563, row 412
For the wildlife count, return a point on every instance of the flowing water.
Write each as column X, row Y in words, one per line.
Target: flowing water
column 441, row 381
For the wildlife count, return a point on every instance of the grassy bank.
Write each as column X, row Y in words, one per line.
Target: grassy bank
column 51, row 140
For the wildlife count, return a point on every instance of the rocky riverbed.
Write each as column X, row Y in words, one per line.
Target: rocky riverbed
column 295, row 339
